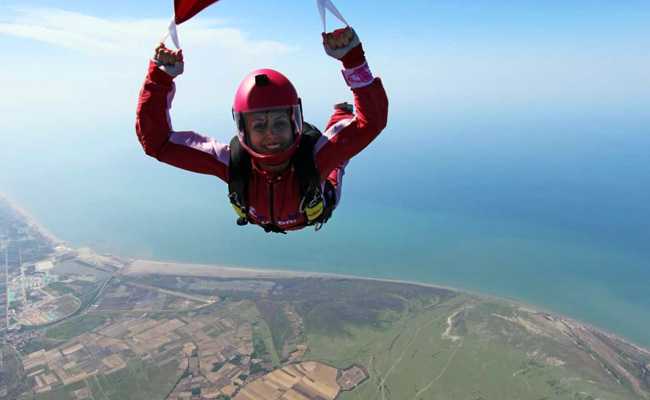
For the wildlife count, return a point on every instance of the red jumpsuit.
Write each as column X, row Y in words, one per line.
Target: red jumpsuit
column 272, row 198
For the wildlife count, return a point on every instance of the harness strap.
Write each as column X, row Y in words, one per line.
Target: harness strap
column 312, row 202
column 239, row 170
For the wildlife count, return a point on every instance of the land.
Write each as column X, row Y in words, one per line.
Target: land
column 81, row 325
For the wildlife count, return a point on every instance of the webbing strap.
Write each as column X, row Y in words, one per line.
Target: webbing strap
column 239, row 171
column 312, row 202
column 173, row 34
column 305, row 166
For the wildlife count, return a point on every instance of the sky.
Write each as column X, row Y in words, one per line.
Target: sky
column 539, row 96
column 562, row 87
column 71, row 58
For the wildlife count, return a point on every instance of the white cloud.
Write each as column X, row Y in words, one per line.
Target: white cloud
column 100, row 36
column 96, row 66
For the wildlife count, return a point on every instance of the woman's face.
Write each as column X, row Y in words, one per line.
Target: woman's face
column 269, row 132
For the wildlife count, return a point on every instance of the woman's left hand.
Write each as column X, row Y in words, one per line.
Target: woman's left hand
column 339, row 42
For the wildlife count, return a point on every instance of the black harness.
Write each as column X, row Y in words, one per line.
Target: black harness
column 315, row 203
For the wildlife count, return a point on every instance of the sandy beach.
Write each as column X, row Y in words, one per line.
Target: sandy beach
column 148, row 267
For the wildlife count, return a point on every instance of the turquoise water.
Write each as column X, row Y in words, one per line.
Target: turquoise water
column 554, row 214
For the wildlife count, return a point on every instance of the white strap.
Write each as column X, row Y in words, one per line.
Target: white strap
column 171, row 29
column 173, row 33
column 327, row 4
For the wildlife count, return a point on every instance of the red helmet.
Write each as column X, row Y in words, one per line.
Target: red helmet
column 263, row 90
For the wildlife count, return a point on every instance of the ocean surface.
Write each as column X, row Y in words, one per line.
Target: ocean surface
column 545, row 209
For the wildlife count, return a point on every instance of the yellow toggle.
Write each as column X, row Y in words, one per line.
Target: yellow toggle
column 239, row 211
column 315, row 211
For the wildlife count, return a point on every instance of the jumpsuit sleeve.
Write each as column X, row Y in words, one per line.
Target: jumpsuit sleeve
column 183, row 149
column 347, row 135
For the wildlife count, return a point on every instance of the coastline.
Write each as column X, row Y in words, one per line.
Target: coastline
column 31, row 220
column 233, row 272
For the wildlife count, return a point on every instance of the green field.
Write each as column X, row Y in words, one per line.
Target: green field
column 263, row 346
column 39, row 343
column 412, row 360
column 11, row 376
column 73, row 327
column 279, row 325
column 263, row 343
column 136, row 382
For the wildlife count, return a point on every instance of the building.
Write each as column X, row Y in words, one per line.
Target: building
column 44, row 266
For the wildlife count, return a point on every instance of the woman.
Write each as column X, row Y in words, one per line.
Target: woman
column 268, row 166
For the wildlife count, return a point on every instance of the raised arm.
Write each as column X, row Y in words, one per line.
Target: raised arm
column 183, row 149
column 346, row 135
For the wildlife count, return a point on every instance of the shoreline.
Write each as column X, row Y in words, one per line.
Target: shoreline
column 219, row 270
column 222, row 271
column 32, row 221
column 247, row 272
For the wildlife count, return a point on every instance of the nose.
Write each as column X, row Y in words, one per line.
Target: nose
column 267, row 132
column 273, row 130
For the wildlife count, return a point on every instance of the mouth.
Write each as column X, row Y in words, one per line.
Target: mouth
column 273, row 146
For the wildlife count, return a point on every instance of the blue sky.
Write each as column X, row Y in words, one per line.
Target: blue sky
column 451, row 68
column 471, row 78
column 435, row 56
column 512, row 80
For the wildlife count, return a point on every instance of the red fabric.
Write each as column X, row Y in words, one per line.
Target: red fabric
column 186, row 9
column 354, row 58
column 272, row 198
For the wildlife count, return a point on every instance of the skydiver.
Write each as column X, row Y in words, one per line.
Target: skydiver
column 282, row 173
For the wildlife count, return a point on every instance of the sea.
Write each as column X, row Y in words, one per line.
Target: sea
column 549, row 209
